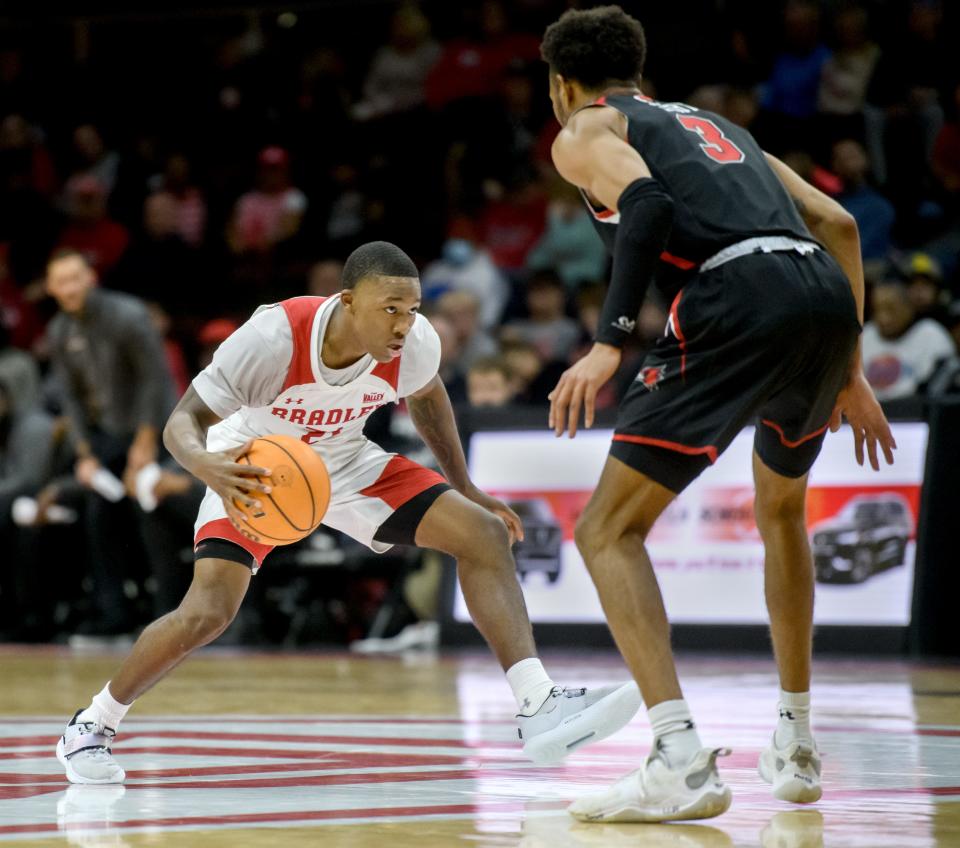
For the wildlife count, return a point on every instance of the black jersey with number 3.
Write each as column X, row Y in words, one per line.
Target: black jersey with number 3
column 722, row 187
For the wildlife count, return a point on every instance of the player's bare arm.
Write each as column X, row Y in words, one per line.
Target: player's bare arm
column 432, row 415
column 829, row 222
column 185, row 437
column 591, row 153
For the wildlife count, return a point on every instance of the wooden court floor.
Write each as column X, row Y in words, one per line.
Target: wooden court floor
column 247, row 749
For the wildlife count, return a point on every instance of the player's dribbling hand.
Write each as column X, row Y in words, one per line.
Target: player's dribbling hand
column 499, row 509
column 578, row 386
column 857, row 403
column 235, row 482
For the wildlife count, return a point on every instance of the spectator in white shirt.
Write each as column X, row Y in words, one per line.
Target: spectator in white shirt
column 900, row 354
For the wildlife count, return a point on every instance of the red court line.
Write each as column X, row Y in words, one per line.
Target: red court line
column 228, row 736
column 305, row 815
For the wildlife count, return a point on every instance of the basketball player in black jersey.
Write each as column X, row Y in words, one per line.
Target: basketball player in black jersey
column 766, row 283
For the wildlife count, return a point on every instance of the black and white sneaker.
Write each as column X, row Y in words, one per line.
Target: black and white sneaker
column 84, row 752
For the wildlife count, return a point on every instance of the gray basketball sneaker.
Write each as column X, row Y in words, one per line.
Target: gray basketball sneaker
column 84, row 753
column 571, row 718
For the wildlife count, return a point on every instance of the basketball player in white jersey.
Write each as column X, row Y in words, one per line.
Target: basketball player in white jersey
column 315, row 369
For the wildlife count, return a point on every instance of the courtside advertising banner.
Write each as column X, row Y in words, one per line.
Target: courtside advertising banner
column 705, row 548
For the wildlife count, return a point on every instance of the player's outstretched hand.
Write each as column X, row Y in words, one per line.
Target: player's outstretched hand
column 578, row 387
column 234, row 481
column 499, row 509
column 857, row 403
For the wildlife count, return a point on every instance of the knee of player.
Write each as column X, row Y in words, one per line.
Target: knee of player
column 486, row 538
column 203, row 625
column 780, row 507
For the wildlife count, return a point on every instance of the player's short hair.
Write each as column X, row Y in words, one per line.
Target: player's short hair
column 596, row 47
column 377, row 259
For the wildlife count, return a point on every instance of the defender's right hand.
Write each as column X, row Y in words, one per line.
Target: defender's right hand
column 235, row 482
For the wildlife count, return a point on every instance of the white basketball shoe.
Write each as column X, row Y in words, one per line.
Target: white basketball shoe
column 571, row 718
column 794, row 770
column 84, row 752
column 657, row 793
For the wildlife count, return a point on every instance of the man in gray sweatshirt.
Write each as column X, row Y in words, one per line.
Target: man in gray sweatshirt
column 117, row 392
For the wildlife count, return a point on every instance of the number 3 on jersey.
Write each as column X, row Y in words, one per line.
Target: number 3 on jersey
column 713, row 142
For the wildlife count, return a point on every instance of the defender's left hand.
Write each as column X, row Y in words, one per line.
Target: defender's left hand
column 579, row 386
column 857, row 403
column 499, row 509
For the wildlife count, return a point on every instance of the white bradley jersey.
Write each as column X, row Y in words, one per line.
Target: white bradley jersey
column 268, row 377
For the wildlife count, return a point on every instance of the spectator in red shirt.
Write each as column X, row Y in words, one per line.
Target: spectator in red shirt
column 273, row 211
column 474, row 66
column 89, row 229
column 513, row 220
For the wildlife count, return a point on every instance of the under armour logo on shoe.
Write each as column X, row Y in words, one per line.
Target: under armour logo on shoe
column 787, row 715
column 526, row 704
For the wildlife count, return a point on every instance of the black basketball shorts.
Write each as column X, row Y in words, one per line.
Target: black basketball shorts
column 766, row 338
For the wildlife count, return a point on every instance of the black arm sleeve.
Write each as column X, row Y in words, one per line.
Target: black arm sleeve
column 646, row 216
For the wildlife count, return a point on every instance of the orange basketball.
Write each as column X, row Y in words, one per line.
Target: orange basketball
column 300, row 496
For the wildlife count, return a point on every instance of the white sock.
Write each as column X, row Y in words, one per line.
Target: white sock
column 674, row 732
column 105, row 710
column 794, row 721
column 530, row 683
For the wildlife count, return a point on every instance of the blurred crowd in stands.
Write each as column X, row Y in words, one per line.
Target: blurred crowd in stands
column 182, row 170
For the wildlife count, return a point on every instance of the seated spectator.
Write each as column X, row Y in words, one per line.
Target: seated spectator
column 489, row 383
column 172, row 349
column 925, row 287
column 570, row 244
column 548, row 329
column 26, row 461
column 790, row 94
column 21, row 146
column 324, row 278
column 847, row 72
column 464, row 266
column 93, row 159
column 449, row 368
column 90, row 230
column 270, row 213
column 905, row 113
column 395, row 81
column 180, row 202
column 213, row 334
column 901, row 354
column 462, row 310
column 473, row 65
column 513, row 219
column 533, row 377
column 945, row 162
column 19, row 373
column 873, row 212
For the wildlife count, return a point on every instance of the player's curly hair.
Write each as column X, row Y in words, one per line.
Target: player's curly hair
column 377, row 259
column 596, row 47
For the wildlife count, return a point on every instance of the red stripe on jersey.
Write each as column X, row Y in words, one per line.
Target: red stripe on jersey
column 389, row 372
column 222, row 528
column 682, row 264
column 678, row 332
column 300, row 313
column 400, row 481
column 786, row 442
column 604, row 213
column 600, row 101
column 709, row 450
